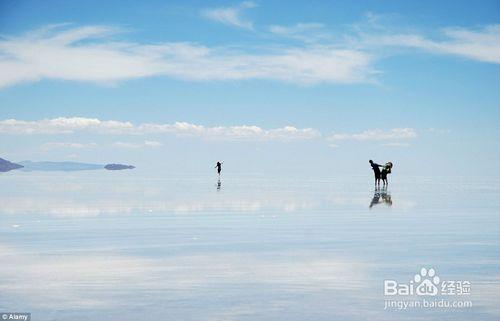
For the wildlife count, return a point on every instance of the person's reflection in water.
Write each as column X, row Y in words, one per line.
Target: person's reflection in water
column 381, row 196
column 375, row 199
column 219, row 184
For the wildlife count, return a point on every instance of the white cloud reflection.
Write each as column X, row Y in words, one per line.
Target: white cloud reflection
column 88, row 280
column 91, row 195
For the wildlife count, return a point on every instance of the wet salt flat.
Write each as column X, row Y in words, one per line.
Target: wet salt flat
column 100, row 245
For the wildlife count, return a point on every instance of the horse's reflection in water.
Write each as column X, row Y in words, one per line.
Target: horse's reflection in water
column 381, row 196
column 219, row 184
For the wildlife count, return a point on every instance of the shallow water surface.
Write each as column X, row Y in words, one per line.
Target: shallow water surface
column 101, row 245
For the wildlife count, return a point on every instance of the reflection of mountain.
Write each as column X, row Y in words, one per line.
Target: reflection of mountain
column 58, row 166
column 117, row 167
column 6, row 166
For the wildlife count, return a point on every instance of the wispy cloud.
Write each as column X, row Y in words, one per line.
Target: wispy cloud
column 88, row 54
column 439, row 131
column 242, row 132
column 231, row 16
column 91, row 54
column 482, row 44
column 66, row 145
column 377, row 135
column 146, row 143
column 64, row 125
column 152, row 143
column 395, row 144
column 307, row 32
column 396, row 137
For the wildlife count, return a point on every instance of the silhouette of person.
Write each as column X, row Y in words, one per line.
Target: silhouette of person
column 376, row 171
column 219, row 167
column 386, row 170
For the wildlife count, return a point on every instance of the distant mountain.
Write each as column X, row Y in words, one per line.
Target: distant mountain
column 58, row 166
column 29, row 166
column 117, row 167
column 6, row 166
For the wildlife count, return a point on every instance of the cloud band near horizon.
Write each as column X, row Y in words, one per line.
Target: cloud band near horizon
column 72, row 125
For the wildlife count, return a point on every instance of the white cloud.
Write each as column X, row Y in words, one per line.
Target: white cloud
column 64, row 125
column 439, row 131
column 244, row 132
column 66, row 145
column 127, row 145
column 377, row 134
column 146, row 143
column 88, row 54
column 396, row 144
column 476, row 44
column 231, row 16
column 307, row 32
column 152, row 143
column 297, row 28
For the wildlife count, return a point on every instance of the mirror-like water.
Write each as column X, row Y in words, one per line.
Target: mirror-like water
column 126, row 245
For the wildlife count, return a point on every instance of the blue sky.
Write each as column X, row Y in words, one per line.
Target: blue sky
column 316, row 86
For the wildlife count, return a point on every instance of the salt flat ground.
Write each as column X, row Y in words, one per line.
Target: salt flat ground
column 130, row 245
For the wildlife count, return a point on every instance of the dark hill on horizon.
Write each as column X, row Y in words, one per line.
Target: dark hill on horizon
column 117, row 167
column 6, row 166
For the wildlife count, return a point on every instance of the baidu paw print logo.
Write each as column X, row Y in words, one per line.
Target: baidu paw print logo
column 426, row 282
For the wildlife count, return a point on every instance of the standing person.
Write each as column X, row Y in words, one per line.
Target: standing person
column 376, row 171
column 219, row 167
column 386, row 170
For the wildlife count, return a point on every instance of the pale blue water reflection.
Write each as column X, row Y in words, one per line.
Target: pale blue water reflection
column 124, row 245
